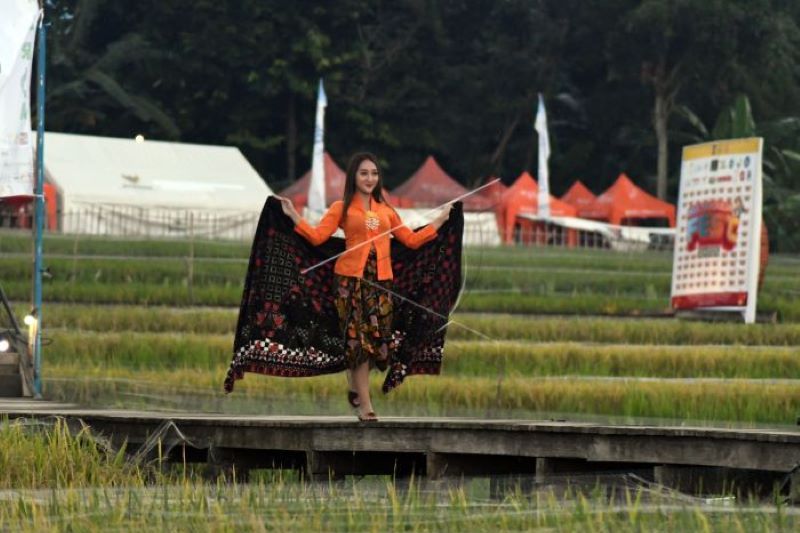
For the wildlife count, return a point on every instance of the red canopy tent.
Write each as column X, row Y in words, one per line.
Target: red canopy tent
column 334, row 185
column 624, row 204
column 19, row 210
column 430, row 186
column 494, row 192
column 523, row 198
column 578, row 196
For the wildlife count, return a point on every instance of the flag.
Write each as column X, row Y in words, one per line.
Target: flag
column 17, row 36
column 316, row 190
column 544, row 156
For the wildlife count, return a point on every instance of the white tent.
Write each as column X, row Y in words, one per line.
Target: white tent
column 624, row 238
column 480, row 229
column 116, row 186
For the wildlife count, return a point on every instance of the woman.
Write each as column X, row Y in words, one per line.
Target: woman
column 363, row 273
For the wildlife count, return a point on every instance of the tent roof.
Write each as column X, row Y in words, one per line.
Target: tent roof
column 579, row 196
column 525, row 186
column 108, row 170
column 495, row 191
column 334, row 184
column 431, row 186
column 523, row 197
column 624, row 200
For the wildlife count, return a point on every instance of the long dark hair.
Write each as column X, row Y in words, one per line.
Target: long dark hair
column 350, row 180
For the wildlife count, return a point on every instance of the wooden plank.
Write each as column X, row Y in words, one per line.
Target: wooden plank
column 9, row 358
column 437, row 438
column 10, row 385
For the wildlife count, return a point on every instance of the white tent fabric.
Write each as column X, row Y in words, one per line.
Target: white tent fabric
column 480, row 229
column 17, row 37
column 619, row 237
column 121, row 186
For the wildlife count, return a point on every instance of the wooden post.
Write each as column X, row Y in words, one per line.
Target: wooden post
column 74, row 258
column 190, row 277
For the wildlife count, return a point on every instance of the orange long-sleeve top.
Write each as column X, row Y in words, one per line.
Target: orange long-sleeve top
column 359, row 226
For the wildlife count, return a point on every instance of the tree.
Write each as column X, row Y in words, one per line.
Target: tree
column 87, row 89
column 781, row 161
column 677, row 47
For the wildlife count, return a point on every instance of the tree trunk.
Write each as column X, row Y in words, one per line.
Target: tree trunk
column 499, row 152
column 660, row 118
column 291, row 139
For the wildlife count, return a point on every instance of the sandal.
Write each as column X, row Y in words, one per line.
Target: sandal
column 352, row 399
column 369, row 417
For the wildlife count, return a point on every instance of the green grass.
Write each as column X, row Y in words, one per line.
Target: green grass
column 31, row 458
column 735, row 401
column 577, row 303
column 86, row 486
column 477, row 375
column 153, row 351
column 554, row 258
column 129, row 293
column 89, row 245
column 505, row 279
column 386, row 506
column 531, row 364
column 620, row 331
column 157, row 319
column 534, row 278
column 140, row 271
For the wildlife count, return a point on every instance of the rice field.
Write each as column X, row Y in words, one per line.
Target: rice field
column 127, row 311
column 562, row 334
column 524, row 280
column 89, row 487
column 561, row 366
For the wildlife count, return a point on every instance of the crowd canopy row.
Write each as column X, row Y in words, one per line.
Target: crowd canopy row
column 515, row 206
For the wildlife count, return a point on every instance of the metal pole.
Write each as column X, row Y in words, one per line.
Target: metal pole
column 39, row 214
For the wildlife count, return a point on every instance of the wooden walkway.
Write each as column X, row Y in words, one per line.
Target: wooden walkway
column 438, row 447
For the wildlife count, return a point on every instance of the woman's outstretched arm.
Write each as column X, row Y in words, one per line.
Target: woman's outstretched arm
column 326, row 227
column 415, row 239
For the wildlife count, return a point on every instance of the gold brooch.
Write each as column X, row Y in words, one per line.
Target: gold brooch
column 371, row 220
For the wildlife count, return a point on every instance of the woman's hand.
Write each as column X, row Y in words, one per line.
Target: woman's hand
column 442, row 217
column 288, row 209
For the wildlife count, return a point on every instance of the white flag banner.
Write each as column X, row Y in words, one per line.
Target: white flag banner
column 17, row 36
column 544, row 156
column 316, row 190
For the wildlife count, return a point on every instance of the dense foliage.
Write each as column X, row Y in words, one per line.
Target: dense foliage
column 627, row 82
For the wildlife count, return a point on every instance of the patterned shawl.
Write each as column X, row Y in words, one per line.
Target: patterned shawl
column 288, row 325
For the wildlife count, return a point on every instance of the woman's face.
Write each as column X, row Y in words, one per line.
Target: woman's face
column 367, row 177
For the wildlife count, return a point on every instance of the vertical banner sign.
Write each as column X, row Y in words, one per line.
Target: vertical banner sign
column 17, row 34
column 316, row 190
column 718, row 233
column 544, row 157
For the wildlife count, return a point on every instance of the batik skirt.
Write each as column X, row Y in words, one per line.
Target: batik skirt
column 364, row 306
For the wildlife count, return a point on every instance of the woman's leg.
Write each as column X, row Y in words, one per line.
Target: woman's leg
column 343, row 288
column 351, row 389
column 361, row 386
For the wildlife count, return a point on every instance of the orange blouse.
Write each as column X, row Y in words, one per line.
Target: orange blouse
column 361, row 226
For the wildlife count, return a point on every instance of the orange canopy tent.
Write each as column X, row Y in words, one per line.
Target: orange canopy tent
column 334, row 185
column 431, row 186
column 626, row 204
column 523, row 198
column 578, row 196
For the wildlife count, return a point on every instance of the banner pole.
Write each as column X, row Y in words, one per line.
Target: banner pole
column 754, row 252
column 39, row 213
